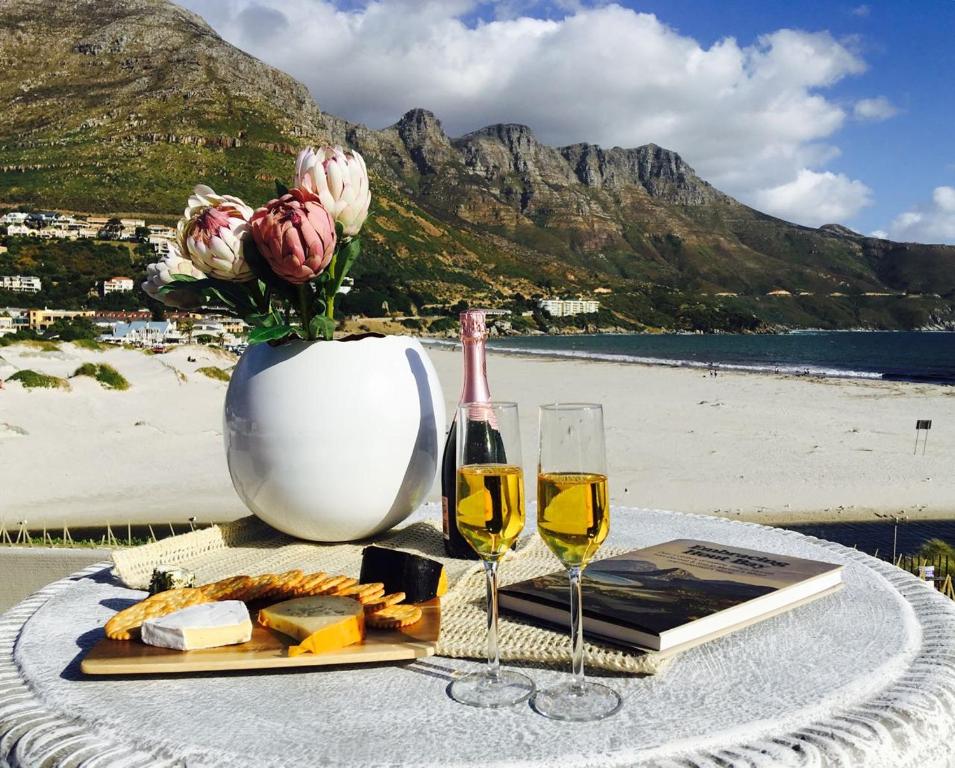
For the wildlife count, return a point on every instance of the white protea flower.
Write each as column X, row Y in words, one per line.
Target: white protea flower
column 212, row 231
column 340, row 180
column 163, row 272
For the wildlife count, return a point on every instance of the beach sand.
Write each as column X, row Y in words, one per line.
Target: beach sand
column 750, row 446
column 756, row 447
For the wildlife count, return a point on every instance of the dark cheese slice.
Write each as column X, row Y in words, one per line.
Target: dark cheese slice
column 418, row 577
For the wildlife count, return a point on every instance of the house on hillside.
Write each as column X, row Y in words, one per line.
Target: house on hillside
column 41, row 319
column 568, row 307
column 143, row 333
column 116, row 285
column 20, row 283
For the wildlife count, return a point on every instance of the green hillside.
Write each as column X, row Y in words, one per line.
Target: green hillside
column 123, row 107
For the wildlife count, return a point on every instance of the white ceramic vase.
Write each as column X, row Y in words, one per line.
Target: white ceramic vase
column 334, row 440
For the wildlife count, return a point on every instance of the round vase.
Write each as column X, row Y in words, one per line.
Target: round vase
column 334, row 440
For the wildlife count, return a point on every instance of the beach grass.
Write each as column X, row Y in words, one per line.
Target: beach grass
column 90, row 344
column 219, row 374
column 33, row 380
column 41, row 344
column 105, row 374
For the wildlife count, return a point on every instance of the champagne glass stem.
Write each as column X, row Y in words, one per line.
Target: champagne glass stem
column 576, row 627
column 493, row 652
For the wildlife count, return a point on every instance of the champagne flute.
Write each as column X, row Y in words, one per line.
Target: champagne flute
column 490, row 507
column 573, row 518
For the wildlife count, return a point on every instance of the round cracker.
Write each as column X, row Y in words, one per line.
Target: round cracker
column 394, row 617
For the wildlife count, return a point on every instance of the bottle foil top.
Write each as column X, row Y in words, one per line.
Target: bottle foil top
column 473, row 326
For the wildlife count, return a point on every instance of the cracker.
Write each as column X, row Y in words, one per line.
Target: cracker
column 394, row 617
column 327, row 586
column 260, row 586
column 342, row 587
column 233, row 588
column 286, row 585
column 383, row 601
column 363, row 592
column 370, row 597
column 121, row 626
column 309, row 583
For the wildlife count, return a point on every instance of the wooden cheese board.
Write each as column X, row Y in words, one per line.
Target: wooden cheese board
column 266, row 650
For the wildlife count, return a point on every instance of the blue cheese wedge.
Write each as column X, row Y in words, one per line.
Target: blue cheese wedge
column 208, row 625
column 170, row 577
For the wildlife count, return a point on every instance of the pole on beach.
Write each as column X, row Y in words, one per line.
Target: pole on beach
column 896, row 519
column 921, row 425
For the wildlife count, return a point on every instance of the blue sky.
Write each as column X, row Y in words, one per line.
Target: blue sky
column 815, row 112
column 909, row 48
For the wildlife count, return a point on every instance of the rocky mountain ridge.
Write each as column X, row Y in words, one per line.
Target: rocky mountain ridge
column 124, row 106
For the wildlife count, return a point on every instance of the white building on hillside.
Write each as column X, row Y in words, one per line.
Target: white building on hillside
column 20, row 283
column 143, row 333
column 15, row 217
column 117, row 285
column 21, row 230
column 568, row 307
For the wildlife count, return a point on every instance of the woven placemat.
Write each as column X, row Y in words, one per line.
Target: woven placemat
column 249, row 546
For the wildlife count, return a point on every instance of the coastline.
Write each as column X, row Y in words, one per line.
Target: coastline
column 749, row 446
column 746, row 445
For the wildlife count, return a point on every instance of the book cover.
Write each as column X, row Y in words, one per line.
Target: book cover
column 655, row 597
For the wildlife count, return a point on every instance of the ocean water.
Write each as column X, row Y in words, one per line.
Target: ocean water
column 921, row 356
column 876, row 536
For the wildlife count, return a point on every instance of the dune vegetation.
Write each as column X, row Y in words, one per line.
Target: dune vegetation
column 219, row 374
column 105, row 374
column 34, row 380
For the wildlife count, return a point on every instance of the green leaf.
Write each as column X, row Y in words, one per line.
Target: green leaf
column 343, row 262
column 258, row 335
column 280, row 189
column 264, row 320
column 181, row 278
column 321, row 327
column 193, row 285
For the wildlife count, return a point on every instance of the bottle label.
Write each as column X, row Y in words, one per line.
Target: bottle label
column 445, row 522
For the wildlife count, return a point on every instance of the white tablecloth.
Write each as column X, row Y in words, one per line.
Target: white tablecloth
column 863, row 677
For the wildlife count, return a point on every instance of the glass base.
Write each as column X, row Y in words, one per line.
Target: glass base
column 490, row 690
column 580, row 703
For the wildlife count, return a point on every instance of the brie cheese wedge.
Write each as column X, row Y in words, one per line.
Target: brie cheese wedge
column 208, row 625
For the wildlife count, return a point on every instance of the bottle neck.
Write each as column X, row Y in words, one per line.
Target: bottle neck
column 475, row 389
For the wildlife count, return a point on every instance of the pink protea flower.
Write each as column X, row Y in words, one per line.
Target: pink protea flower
column 211, row 232
column 340, row 180
column 295, row 234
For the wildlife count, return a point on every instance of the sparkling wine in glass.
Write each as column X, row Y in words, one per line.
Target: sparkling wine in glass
column 573, row 519
column 490, row 517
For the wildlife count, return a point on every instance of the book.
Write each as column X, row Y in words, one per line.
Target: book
column 676, row 594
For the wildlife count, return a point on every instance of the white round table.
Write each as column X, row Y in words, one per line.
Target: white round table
column 862, row 677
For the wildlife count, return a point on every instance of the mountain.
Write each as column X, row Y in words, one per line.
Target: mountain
column 123, row 106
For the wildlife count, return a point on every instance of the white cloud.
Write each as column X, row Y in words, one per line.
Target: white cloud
column 929, row 222
column 752, row 119
column 816, row 198
column 879, row 233
column 879, row 108
column 861, row 10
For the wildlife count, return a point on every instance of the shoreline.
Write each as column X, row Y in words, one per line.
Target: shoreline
column 811, row 371
column 746, row 445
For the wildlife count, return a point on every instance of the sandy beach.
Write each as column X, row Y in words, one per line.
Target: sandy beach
column 749, row 446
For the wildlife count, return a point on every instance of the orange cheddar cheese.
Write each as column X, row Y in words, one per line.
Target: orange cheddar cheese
column 320, row 623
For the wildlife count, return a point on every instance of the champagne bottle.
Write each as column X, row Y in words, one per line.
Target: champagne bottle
column 484, row 441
